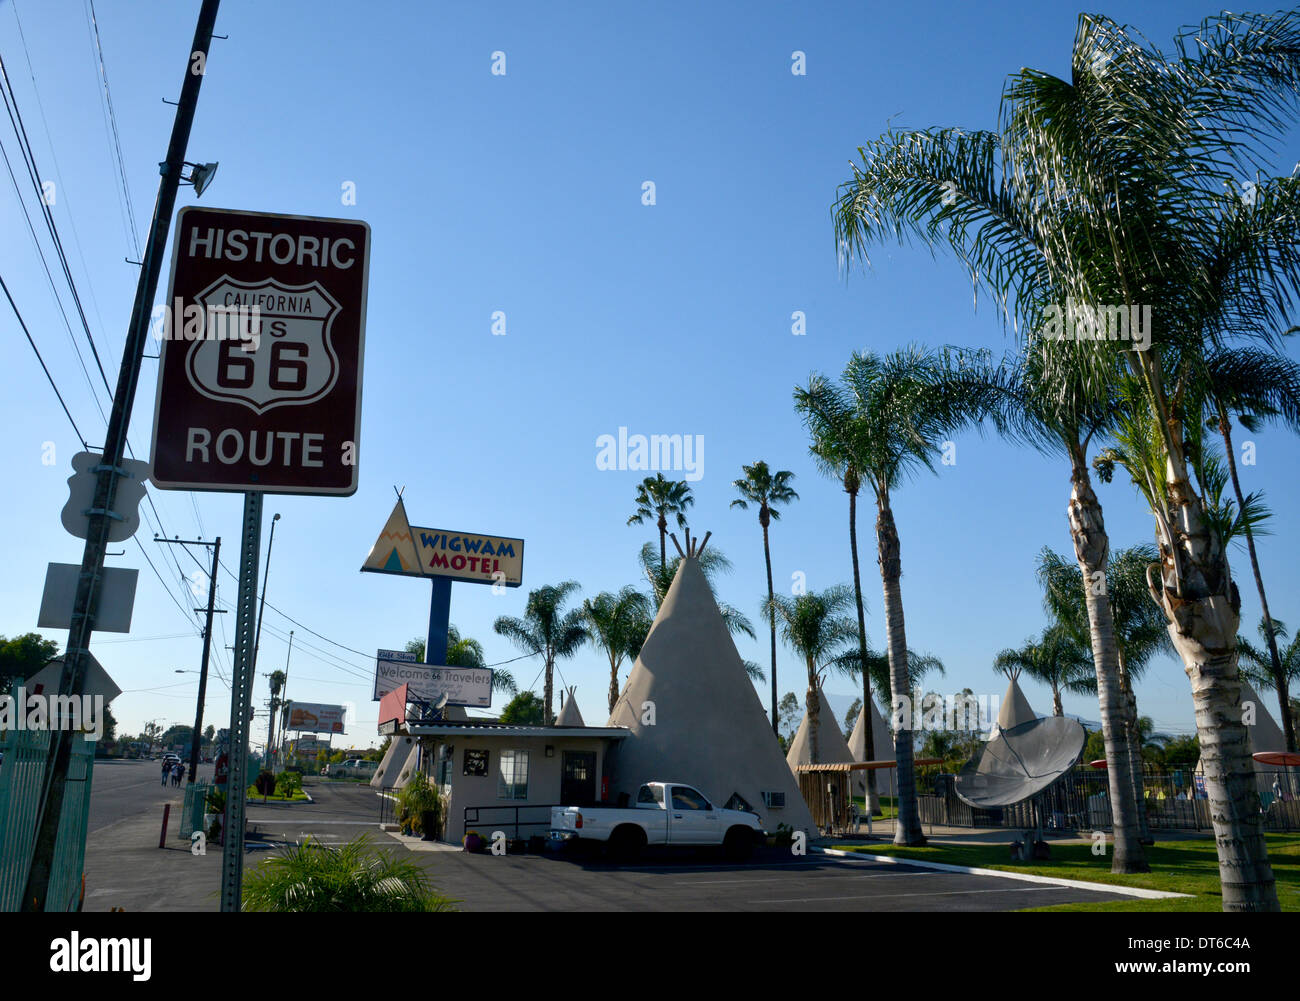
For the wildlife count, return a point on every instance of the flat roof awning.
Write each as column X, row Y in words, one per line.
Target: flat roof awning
column 489, row 729
column 855, row 766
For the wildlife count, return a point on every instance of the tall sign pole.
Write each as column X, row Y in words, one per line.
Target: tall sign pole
column 92, row 562
column 241, row 704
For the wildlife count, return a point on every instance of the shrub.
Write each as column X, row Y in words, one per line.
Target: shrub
column 417, row 797
column 355, row 877
column 288, row 784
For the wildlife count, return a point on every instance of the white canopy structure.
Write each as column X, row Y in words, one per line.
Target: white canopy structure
column 695, row 718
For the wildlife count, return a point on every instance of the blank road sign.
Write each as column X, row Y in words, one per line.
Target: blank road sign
column 263, row 335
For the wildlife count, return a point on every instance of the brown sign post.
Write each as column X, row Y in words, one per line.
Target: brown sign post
column 263, row 336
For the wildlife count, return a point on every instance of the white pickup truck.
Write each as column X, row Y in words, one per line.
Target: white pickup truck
column 665, row 813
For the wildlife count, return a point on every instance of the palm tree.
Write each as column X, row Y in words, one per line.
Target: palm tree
column 1256, row 386
column 1122, row 185
column 277, row 680
column 547, row 630
column 832, row 449
column 814, row 626
column 760, row 486
column 1257, row 665
column 893, row 415
column 656, row 499
column 1057, row 659
column 612, row 619
column 1140, row 633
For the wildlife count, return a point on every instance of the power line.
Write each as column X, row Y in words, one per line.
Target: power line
column 44, row 368
column 117, row 141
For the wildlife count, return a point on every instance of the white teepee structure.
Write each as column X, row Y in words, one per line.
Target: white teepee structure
column 1015, row 708
column 569, row 714
column 695, row 717
column 831, row 748
column 882, row 740
column 394, row 770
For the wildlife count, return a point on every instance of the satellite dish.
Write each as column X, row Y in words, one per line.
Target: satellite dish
column 442, row 701
column 1021, row 762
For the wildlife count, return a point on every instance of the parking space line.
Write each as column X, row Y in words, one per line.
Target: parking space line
column 830, row 875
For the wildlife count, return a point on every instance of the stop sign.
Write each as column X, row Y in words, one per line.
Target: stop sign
column 263, row 331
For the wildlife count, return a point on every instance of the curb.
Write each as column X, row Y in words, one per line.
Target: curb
column 1074, row 884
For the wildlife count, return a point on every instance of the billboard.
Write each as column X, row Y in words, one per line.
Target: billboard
column 464, row 686
column 315, row 718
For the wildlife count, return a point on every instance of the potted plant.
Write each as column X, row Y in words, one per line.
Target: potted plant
column 473, row 841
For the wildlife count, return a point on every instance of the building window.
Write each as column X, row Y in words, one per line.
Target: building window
column 513, row 783
column 442, row 773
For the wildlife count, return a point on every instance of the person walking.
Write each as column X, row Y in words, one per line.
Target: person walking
column 178, row 773
column 166, row 771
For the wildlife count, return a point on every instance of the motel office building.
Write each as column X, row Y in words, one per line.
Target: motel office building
column 506, row 777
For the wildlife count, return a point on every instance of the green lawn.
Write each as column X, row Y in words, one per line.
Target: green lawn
column 299, row 797
column 1176, row 866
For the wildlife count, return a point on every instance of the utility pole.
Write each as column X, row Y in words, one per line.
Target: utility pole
column 50, row 809
column 207, row 642
column 261, row 608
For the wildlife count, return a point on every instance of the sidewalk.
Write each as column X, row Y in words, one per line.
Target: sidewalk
column 125, row 868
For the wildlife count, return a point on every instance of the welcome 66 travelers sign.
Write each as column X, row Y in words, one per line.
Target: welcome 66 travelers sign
column 263, row 335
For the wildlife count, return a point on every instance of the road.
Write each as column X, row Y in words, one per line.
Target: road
column 122, row 789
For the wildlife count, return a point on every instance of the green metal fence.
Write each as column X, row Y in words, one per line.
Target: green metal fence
column 21, row 778
column 192, row 810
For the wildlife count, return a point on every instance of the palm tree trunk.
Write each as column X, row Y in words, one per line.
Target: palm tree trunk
column 771, row 613
column 1203, row 608
column 1057, row 708
column 663, row 541
column 868, row 746
column 1092, row 549
column 907, row 830
column 1135, row 753
column 548, row 719
column 613, row 683
column 1279, row 677
column 813, row 707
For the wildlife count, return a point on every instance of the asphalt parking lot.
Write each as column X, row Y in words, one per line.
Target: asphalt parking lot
column 772, row 880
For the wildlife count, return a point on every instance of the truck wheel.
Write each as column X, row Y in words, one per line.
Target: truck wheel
column 626, row 843
column 738, row 845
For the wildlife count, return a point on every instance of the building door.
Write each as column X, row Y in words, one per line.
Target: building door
column 578, row 780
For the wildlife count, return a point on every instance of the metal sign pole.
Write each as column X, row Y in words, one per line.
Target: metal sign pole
column 435, row 647
column 241, row 704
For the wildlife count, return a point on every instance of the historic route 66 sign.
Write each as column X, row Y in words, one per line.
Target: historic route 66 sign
column 262, row 335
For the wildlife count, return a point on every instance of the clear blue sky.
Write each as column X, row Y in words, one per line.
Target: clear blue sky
column 522, row 193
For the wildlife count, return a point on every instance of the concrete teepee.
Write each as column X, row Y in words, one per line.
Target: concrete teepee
column 882, row 740
column 1015, row 708
column 569, row 714
column 694, row 715
column 830, row 739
